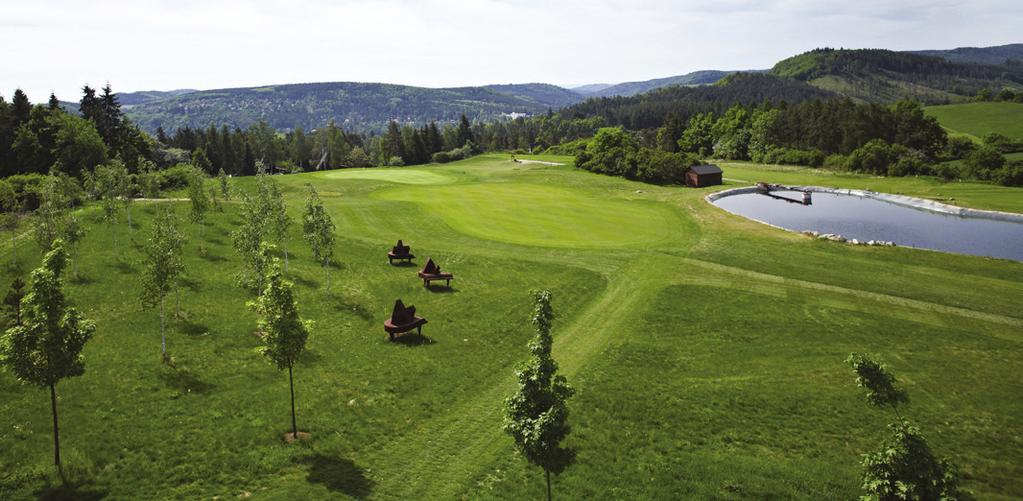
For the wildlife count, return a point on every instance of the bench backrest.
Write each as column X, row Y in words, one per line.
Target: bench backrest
column 431, row 267
column 400, row 248
column 402, row 314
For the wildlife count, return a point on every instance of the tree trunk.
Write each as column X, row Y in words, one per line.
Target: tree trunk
column 294, row 422
column 14, row 249
column 285, row 257
column 163, row 336
column 127, row 212
column 548, row 472
column 177, row 301
column 56, row 430
column 326, row 272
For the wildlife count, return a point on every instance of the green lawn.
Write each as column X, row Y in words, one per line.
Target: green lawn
column 979, row 119
column 707, row 350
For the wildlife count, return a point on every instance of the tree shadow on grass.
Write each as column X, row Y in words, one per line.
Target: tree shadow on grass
column 72, row 489
column 309, row 357
column 122, row 266
column 185, row 381
column 213, row 258
column 339, row 474
column 404, row 264
column 303, row 281
column 191, row 284
column 191, row 328
column 80, row 278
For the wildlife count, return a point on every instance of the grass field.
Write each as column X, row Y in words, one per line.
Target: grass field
column 707, row 350
column 976, row 120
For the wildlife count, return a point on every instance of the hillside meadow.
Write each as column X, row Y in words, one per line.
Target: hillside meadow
column 979, row 119
column 707, row 350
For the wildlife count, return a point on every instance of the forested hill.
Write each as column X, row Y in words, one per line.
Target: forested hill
column 360, row 106
column 981, row 55
column 649, row 110
column 877, row 75
column 704, row 77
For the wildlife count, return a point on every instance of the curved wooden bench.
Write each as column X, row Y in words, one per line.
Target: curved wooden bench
column 432, row 272
column 400, row 252
column 403, row 320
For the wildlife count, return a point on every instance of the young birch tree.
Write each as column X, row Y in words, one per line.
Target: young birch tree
column 109, row 187
column 247, row 239
column 47, row 346
column 536, row 415
column 163, row 266
column 279, row 220
column 200, row 203
column 284, row 332
column 318, row 229
column 225, row 185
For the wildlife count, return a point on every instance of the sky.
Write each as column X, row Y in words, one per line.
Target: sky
column 60, row 45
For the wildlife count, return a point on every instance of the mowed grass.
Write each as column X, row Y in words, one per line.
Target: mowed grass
column 393, row 175
column 708, row 355
column 979, row 119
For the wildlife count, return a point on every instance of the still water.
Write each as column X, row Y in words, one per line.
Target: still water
column 869, row 219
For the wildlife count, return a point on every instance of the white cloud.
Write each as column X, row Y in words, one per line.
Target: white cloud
column 165, row 44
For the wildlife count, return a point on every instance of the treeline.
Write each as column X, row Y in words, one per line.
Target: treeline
column 41, row 137
column 896, row 140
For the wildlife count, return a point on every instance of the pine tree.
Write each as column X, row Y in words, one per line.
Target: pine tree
column 318, row 229
column 48, row 346
column 464, row 131
column 163, row 266
column 21, row 109
column 284, row 333
column 536, row 415
column 54, row 104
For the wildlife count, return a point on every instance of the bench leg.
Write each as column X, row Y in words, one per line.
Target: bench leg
column 390, row 335
column 419, row 330
column 447, row 283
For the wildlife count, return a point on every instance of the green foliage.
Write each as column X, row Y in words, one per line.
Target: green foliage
column 176, row 177
column 879, row 384
column 163, row 257
column 200, row 202
column 698, row 138
column 876, row 157
column 789, row 156
column 536, row 415
column 248, row 237
column 225, row 184
column 318, row 228
column 284, row 333
column 54, row 219
column 609, row 153
column 732, row 134
column 77, row 147
column 47, row 347
column 904, row 468
column 982, row 161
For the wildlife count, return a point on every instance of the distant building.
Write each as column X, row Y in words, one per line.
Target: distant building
column 699, row 176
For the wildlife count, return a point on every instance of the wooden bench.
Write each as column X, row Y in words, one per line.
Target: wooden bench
column 403, row 320
column 432, row 272
column 400, row 252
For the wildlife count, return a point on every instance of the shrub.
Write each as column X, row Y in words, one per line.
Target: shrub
column 175, row 178
column 395, row 161
column 1010, row 175
column 573, row 148
column 982, row 161
column 790, row 156
column 1002, row 143
column 464, row 152
column 27, row 188
column 908, row 166
column 959, row 147
column 875, row 157
column 836, row 161
column 659, row 166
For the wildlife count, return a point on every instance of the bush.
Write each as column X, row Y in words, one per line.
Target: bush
column 442, row 157
column 876, row 157
column 959, row 147
column 175, row 178
column 945, row 171
column 659, row 166
column 1001, row 143
column 570, row 148
column 1010, row 175
column 981, row 163
column 395, row 161
column 836, row 161
column 790, row 156
column 908, row 166
column 27, row 188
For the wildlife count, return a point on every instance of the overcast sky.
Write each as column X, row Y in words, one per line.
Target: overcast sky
column 59, row 45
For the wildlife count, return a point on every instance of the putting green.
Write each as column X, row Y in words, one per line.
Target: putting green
column 403, row 176
column 530, row 214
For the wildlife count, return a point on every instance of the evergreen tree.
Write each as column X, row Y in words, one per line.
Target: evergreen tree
column 21, row 109
column 536, row 415
column 464, row 132
column 318, row 229
column 54, row 104
column 163, row 266
column 12, row 302
column 201, row 161
column 48, row 346
column 284, row 333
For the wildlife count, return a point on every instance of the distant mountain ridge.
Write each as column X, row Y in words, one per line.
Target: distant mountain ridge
column 998, row 54
column 703, row 77
column 148, row 96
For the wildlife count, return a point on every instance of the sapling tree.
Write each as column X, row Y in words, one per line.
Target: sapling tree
column 10, row 207
column 54, row 219
column 247, row 239
column 163, row 266
column 284, row 333
column 904, row 467
column 278, row 220
column 318, row 229
column 148, row 180
column 200, row 203
column 536, row 416
column 109, row 187
column 225, row 185
column 47, row 346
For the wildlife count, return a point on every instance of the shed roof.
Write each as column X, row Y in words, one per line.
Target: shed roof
column 706, row 169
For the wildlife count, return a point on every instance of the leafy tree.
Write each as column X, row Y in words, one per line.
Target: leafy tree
column 318, row 229
column 200, row 160
column 78, row 147
column 148, row 179
column 48, row 346
column 200, row 204
column 53, row 218
column 284, row 333
column 536, row 415
column 247, row 239
column 904, row 468
column 278, row 219
column 225, row 184
column 12, row 301
column 10, row 206
column 699, row 137
column 609, row 152
column 732, row 134
column 110, row 185
column 980, row 163
column 163, row 266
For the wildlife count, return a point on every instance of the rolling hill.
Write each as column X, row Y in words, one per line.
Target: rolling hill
column 980, row 55
column 877, row 75
column 362, row 106
column 979, row 119
column 704, row 77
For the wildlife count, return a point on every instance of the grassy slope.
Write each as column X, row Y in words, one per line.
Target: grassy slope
column 708, row 361
column 979, row 119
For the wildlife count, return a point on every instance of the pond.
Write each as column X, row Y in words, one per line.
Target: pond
column 867, row 219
